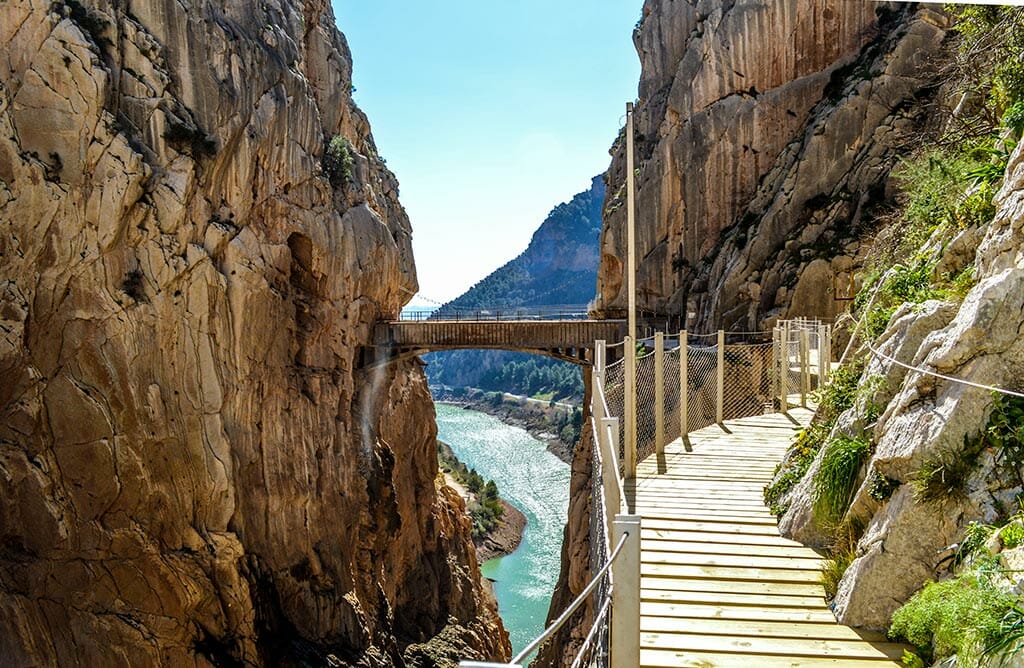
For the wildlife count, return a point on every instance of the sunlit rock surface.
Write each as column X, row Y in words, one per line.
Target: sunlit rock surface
column 194, row 468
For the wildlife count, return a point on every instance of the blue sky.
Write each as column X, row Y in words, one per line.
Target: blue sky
column 490, row 114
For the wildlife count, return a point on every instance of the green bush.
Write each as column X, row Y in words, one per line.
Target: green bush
column 1005, row 432
column 840, row 392
column 836, row 476
column 794, row 466
column 338, row 161
column 962, row 616
column 942, row 476
column 1012, row 535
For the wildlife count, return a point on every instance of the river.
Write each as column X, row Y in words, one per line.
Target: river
column 537, row 483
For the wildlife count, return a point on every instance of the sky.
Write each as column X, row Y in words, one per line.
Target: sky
column 490, row 114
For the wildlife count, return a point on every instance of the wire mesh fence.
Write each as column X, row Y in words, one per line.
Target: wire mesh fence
column 726, row 376
column 701, row 386
column 594, row 651
column 699, row 382
column 645, row 412
column 803, row 353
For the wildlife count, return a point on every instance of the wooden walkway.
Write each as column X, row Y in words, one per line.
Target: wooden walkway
column 719, row 586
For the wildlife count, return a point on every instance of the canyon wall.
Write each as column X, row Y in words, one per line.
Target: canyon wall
column 195, row 469
column 916, row 420
column 765, row 131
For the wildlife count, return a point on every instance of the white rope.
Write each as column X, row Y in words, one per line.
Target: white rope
column 962, row 381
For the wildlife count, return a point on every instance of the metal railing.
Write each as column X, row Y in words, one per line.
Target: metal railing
column 651, row 396
column 500, row 313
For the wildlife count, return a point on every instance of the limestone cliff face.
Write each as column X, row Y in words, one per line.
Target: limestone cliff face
column 765, row 131
column 924, row 418
column 194, row 468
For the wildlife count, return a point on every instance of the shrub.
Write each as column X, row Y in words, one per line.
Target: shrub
column 338, row 161
column 836, row 476
column 942, row 476
column 962, row 616
column 840, row 392
column 975, row 536
column 1012, row 535
column 1005, row 432
column 794, row 466
column 832, row 570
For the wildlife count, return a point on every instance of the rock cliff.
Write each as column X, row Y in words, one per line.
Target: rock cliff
column 917, row 422
column 195, row 469
column 764, row 134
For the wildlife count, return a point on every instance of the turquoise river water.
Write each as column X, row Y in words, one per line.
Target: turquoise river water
column 537, row 483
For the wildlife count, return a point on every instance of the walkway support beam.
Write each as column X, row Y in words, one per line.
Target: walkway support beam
column 630, row 223
column 629, row 410
column 659, row 394
column 784, row 370
column 824, row 355
column 684, row 390
column 720, row 380
column 805, row 366
column 625, row 611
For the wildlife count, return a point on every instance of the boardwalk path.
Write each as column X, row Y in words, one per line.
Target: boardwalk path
column 719, row 587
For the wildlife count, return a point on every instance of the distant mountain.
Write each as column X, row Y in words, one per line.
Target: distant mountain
column 559, row 267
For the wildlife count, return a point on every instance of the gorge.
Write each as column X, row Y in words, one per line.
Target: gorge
column 201, row 465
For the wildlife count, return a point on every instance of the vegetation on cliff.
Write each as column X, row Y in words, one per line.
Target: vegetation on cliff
column 909, row 462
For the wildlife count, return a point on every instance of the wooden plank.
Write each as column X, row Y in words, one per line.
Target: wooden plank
column 677, row 523
column 654, row 658
column 788, row 647
column 727, row 613
column 731, row 560
column 708, row 517
column 757, row 602
column 759, row 628
column 729, row 573
column 662, row 588
column 727, row 548
column 713, row 537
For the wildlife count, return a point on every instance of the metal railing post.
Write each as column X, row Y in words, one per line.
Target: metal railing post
column 720, row 378
column 629, row 453
column 805, row 371
column 600, row 360
column 659, row 393
column 684, row 389
column 625, row 611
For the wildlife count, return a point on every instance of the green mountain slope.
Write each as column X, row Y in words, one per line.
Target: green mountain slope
column 558, row 268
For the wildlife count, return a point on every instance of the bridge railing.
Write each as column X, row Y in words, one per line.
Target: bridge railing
column 500, row 313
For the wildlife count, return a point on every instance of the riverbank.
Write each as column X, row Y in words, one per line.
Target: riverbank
column 556, row 424
column 496, row 538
